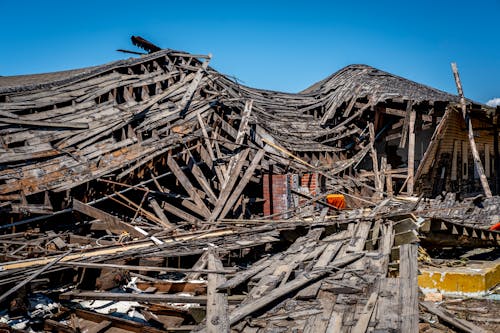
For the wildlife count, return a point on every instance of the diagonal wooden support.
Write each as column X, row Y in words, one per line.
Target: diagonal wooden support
column 190, row 189
column 242, row 183
column 113, row 223
column 468, row 123
column 226, row 190
column 186, row 98
column 240, row 136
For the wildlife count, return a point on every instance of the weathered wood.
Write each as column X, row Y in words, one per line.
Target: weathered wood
column 168, row 298
column 470, row 134
column 245, row 275
column 180, row 213
column 242, row 183
column 217, row 319
column 461, row 324
column 36, row 123
column 161, row 215
column 373, row 154
column 143, row 268
column 190, row 189
column 404, row 133
column 33, row 276
column 226, row 190
column 199, row 264
column 114, row 223
column 408, row 272
column 364, row 318
column 299, row 282
column 411, row 152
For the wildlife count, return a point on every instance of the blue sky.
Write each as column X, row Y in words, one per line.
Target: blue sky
column 278, row 45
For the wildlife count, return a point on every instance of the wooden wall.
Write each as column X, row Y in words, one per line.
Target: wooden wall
column 452, row 168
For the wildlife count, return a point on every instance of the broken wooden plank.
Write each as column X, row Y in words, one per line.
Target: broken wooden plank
column 461, row 324
column 217, row 319
column 190, row 189
column 408, row 272
column 147, row 298
column 299, row 282
column 114, row 223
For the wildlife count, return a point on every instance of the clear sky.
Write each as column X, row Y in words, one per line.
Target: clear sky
column 278, row 45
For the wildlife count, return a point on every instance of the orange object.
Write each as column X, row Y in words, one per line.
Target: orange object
column 336, row 200
column 495, row 227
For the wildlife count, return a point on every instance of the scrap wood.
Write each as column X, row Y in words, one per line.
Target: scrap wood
column 298, row 282
column 113, row 250
column 33, row 276
column 147, row 268
column 448, row 318
column 217, row 319
column 144, row 297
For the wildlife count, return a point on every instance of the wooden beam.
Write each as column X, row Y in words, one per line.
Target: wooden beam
column 145, row 268
column 180, row 213
column 373, row 154
column 161, row 215
column 411, row 152
column 145, row 298
column 38, row 123
column 472, row 142
column 299, row 282
column 188, row 95
column 226, row 190
column 408, row 270
column 190, row 189
column 242, row 183
column 404, row 134
column 461, row 324
column 113, row 222
column 200, row 178
column 33, row 276
column 217, row 319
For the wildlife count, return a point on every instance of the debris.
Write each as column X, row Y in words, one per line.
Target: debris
column 157, row 194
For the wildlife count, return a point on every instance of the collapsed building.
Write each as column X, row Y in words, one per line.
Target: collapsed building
column 139, row 163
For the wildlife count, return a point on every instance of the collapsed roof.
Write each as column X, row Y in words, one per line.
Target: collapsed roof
column 60, row 130
column 138, row 158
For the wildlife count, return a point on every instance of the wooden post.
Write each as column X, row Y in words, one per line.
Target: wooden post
column 496, row 156
column 373, row 153
column 468, row 123
column 408, row 271
column 411, row 152
column 217, row 305
column 388, row 180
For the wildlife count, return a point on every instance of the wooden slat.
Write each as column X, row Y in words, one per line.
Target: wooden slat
column 113, row 222
column 242, row 184
column 217, row 319
column 226, row 190
column 408, row 271
column 190, row 189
